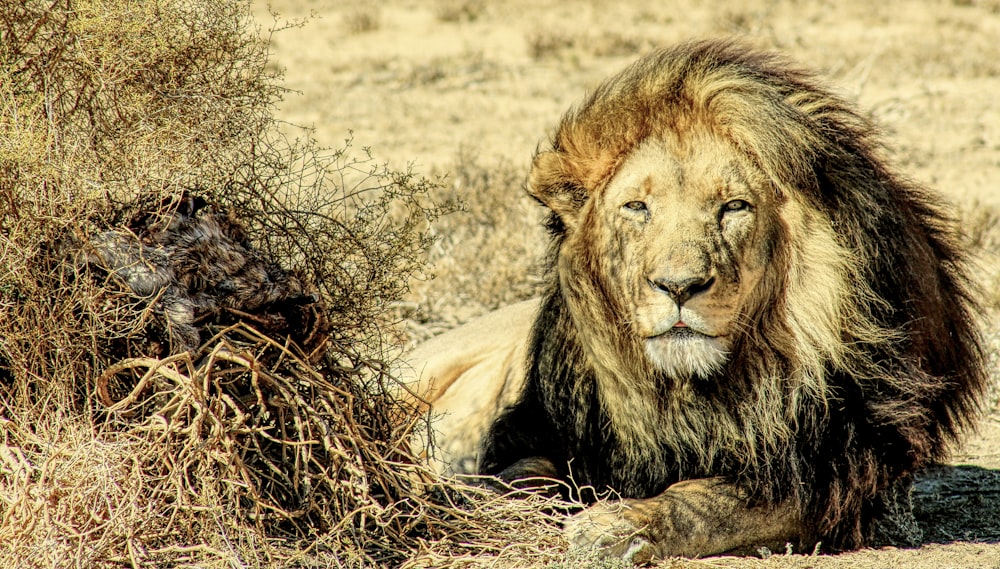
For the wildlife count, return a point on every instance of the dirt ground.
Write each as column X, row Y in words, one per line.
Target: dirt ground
column 449, row 86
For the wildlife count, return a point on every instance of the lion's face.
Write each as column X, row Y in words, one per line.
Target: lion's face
column 674, row 247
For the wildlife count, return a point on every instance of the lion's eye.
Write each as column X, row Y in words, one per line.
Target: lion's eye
column 735, row 205
column 636, row 206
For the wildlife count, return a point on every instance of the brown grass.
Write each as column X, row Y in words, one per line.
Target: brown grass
column 362, row 18
column 981, row 225
column 120, row 448
column 556, row 43
column 459, row 10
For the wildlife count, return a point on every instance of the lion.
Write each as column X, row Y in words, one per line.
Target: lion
column 754, row 331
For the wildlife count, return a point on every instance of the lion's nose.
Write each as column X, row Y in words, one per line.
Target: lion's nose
column 682, row 289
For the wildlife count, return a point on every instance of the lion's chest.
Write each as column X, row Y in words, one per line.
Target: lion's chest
column 642, row 441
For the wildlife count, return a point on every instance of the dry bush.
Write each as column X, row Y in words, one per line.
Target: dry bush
column 269, row 436
column 487, row 256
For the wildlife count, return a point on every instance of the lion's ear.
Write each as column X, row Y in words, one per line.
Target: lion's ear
column 552, row 182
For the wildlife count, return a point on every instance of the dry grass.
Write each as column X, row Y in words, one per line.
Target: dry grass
column 557, row 43
column 981, row 225
column 486, row 256
column 363, row 18
column 459, row 10
column 259, row 445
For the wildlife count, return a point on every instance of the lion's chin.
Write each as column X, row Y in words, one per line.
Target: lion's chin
column 686, row 355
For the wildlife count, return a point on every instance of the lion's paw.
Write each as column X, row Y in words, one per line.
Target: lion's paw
column 603, row 527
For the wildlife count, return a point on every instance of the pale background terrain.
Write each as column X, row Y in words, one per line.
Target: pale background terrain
column 467, row 90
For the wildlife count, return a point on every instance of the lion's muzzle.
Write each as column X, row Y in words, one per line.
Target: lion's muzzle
column 683, row 288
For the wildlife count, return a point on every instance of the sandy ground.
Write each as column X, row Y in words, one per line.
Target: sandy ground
column 422, row 83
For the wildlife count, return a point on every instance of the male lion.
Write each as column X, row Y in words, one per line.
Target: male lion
column 755, row 332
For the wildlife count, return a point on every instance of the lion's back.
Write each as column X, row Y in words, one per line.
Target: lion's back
column 468, row 375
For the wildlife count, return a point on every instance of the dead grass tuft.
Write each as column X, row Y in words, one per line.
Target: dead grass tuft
column 549, row 43
column 459, row 10
column 363, row 18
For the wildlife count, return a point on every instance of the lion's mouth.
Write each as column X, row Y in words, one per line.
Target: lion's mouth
column 680, row 333
column 683, row 351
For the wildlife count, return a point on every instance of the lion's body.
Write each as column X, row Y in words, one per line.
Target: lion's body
column 752, row 322
column 469, row 375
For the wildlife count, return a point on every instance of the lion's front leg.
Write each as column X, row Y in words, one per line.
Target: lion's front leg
column 693, row 518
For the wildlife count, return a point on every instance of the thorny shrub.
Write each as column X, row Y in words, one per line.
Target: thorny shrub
column 249, row 449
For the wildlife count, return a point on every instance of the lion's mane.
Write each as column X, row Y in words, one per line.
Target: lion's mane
column 861, row 362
